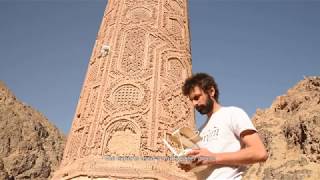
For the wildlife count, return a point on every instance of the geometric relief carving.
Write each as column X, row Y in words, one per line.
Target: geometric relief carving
column 175, row 7
column 127, row 94
column 91, row 107
column 123, row 138
column 175, row 27
column 175, row 69
column 175, row 105
column 132, row 92
column 174, row 21
column 72, row 147
column 93, row 71
column 132, row 60
column 111, row 13
column 139, row 14
column 86, row 108
column 84, row 150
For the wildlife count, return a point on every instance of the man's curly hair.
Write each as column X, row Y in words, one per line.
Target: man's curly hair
column 203, row 81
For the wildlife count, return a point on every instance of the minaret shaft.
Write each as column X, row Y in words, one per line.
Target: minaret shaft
column 131, row 94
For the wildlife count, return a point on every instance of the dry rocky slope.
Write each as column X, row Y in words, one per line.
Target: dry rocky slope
column 290, row 129
column 30, row 146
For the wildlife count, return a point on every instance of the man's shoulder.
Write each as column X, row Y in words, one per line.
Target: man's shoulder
column 233, row 109
column 237, row 114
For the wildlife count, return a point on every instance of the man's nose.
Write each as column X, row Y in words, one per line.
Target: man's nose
column 195, row 103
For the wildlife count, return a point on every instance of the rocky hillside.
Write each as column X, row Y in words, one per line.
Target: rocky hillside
column 290, row 129
column 30, row 146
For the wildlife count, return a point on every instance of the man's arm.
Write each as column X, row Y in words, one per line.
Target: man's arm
column 253, row 152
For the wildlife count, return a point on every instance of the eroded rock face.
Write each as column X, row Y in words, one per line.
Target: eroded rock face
column 3, row 173
column 30, row 146
column 291, row 133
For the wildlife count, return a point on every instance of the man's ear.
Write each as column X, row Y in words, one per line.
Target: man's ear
column 212, row 91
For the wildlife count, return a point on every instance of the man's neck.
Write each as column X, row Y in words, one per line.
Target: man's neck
column 216, row 107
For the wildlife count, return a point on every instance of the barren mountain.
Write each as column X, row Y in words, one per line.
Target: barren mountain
column 30, row 146
column 290, row 129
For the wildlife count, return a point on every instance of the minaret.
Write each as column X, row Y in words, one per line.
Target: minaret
column 131, row 94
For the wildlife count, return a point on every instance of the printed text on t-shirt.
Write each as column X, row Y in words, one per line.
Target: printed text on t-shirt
column 211, row 134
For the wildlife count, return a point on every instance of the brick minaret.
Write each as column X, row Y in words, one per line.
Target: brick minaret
column 131, row 94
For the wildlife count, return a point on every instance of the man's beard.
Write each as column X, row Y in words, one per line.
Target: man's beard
column 205, row 109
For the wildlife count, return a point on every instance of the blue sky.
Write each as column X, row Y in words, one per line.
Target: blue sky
column 256, row 50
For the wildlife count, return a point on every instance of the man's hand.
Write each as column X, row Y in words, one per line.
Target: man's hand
column 202, row 156
column 185, row 167
column 253, row 152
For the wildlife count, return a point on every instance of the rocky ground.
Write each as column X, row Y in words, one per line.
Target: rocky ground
column 30, row 146
column 290, row 129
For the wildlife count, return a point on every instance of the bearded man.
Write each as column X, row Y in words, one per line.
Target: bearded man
column 229, row 139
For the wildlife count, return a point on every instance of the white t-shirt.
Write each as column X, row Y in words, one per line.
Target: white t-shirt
column 222, row 134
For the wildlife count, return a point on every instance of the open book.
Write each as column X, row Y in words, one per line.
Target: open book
column 182, row 140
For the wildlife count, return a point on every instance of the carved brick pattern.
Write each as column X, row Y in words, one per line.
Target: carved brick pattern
column 175, row 104
column 83, row 124
column 83, row 119
column 93, row 101
column 92, row 132
column 111, row 13
column 137, row 93
column 139, row 15
column 134, row 91
column 144, row 3
column 133, row 56
column 127, row 94
column 71, row 151
column 174, row 67
column 93, row 71
column 132, row 64
column 140, row 12
column 98, row 142
column 175, row 108
column 84, row 151
column 84, row 98
column 122, row 125
column 176, row 7
column 174, row 22
column 152, row 142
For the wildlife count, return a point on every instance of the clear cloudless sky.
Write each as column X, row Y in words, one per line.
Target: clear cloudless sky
column 256, row 50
